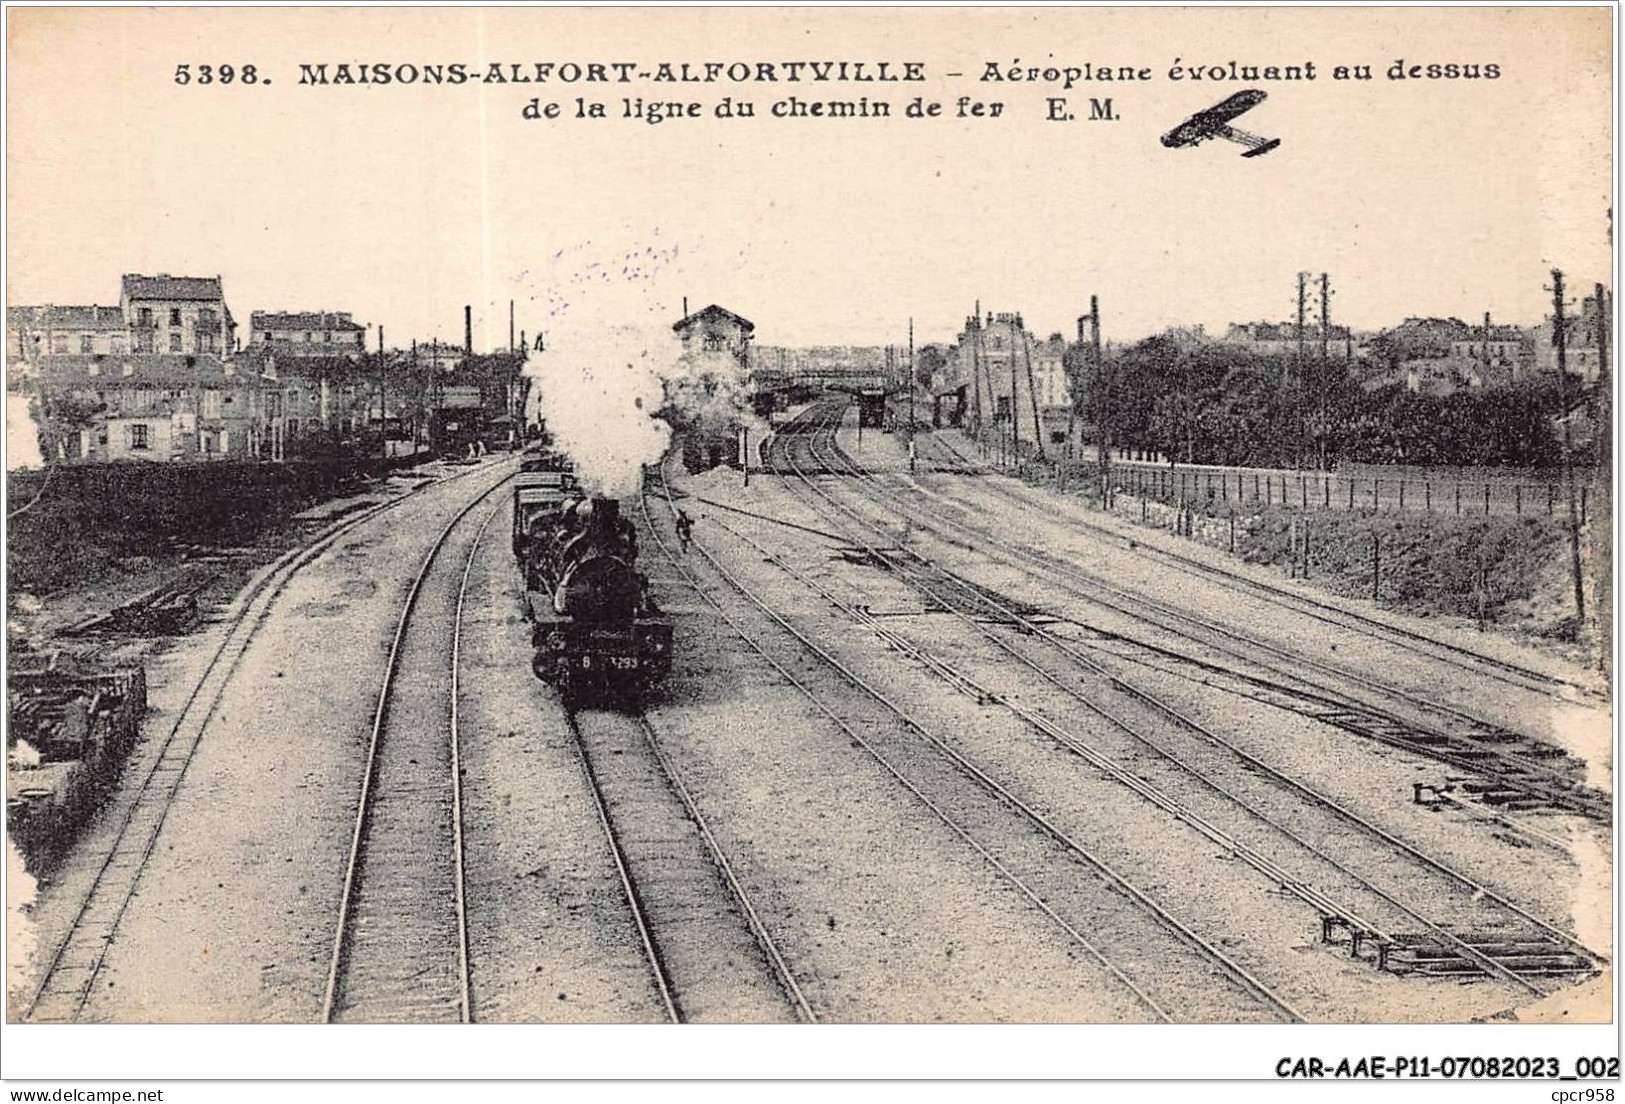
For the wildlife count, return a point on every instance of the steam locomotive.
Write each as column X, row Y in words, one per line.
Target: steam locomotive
column 595, row 632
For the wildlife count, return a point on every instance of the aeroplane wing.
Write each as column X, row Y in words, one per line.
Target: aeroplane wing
column 1256, row 146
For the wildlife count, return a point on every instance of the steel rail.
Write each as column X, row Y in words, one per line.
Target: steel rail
column 1021, row 886
column 720, row 859
column 342, row 930
column 1259, row 862
column 1110, row 875
column 1262, row 690
column 1456, row 654
column 1557, row 788
column 1035, row 629
column 264, row 590
column 1113, row 769
column 634, row 901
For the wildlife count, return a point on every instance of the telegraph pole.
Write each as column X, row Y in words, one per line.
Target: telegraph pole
column 1560, row 339
column 911, row 395
column 1297, row 392
column 1032, row 394
column 1103, row 406
column 1015, row 409
column 1602, row 509
column 383, row 400
column 1325, row 359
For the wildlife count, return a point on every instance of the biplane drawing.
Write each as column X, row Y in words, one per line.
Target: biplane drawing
column 1215, row 123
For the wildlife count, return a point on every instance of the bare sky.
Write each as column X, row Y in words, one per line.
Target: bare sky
column 400, row 204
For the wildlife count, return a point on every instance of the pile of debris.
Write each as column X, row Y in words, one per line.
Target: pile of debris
column 72, row 725
column 167, row 610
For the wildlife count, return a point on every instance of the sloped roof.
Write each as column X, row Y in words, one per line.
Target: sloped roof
column 1433, row 325
column 1284, row 331
column 165, row 286
column 76, row 318
column 713, row 311
column 85, row 318
column 147, row 369
column 257, row 359
column 303, row 320
column 1497, row 333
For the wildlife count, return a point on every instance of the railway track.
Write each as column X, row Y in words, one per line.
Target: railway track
column 1519, row 772
column 1479, row 663
column 709, row 953
column 400, row 942
column 1073, row 886
column 634, row 900
column 401, row 946
column 1539, row 949
column 69, row 976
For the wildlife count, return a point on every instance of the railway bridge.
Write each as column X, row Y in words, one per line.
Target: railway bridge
column 811, row 381
column 774, row 390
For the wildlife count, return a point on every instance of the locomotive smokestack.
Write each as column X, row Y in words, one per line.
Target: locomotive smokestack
column 606, row 516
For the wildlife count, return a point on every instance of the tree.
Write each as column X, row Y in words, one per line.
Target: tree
column 60, row 419
column 928, row 362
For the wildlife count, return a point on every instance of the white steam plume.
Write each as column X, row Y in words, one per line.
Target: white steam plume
column 601, row 398
column 614, row 383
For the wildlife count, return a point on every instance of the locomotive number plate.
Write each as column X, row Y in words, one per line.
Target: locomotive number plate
column 623, row 663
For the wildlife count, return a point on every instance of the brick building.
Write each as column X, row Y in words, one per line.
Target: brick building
column 315, row 383
column 1581, row 355
column 1281, row 338
column 177, row 314
column 716, row 341
column 36, row 332
column 152, row 406
column 997, row 367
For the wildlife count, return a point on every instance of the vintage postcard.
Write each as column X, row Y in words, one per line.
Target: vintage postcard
column 742, row 515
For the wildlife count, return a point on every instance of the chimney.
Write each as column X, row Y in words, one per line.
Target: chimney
column 606, row 513
column 468, row 330
column 1082, row 318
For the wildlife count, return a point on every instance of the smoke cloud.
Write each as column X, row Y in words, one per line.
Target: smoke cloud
column 613, row 399
column 601, row 397
column 613, row 383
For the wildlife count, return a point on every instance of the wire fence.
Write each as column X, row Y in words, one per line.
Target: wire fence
column 1328, row 491
column 1219, row 487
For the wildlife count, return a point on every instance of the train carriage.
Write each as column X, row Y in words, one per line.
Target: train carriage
column 538, row 495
